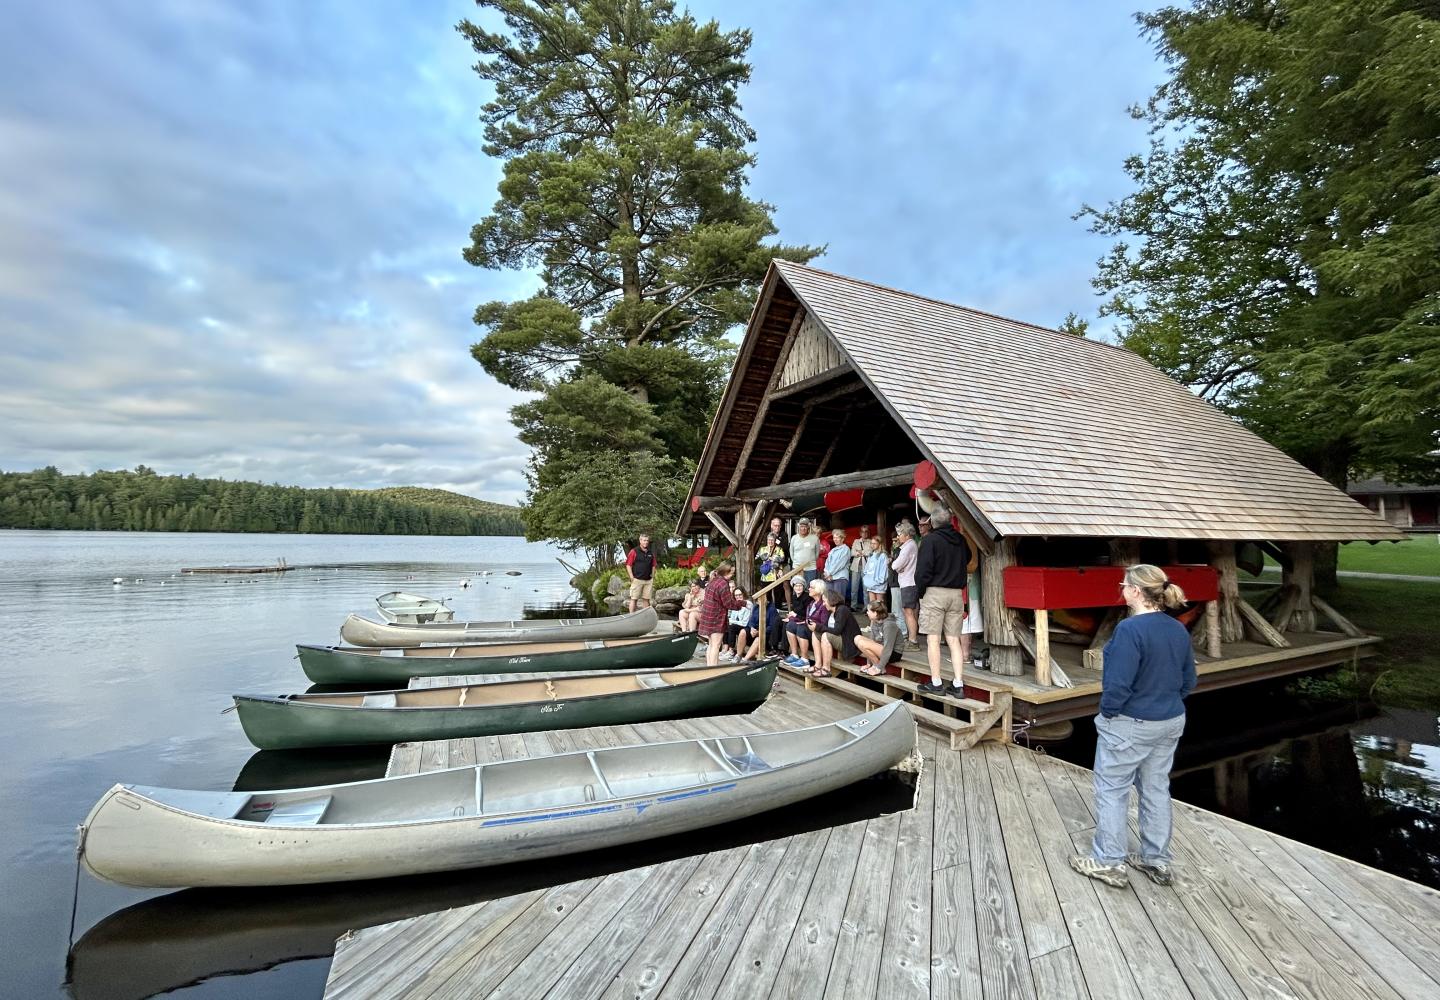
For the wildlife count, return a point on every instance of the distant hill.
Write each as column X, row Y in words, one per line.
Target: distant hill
column 144, row 501
column 444, row 498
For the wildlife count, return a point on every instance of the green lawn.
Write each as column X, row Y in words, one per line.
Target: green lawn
column 1406, row 673
column 1417, row 556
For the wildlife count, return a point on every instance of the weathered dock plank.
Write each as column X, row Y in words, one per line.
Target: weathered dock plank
column 811, row 946
column 1004, row 962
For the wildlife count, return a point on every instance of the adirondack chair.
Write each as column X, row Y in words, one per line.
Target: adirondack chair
column 693, row 559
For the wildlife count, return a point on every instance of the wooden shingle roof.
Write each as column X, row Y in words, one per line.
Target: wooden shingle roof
column 1052, row 434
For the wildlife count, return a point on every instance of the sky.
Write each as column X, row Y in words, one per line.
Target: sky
column 230, row 230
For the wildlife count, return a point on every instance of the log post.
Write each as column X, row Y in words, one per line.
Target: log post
column 1212, row 629
column 1005, row 658
column 1222, row 557
column 1042, row 646
column 744, row 553
column 1301, row 575
column 1124, row 551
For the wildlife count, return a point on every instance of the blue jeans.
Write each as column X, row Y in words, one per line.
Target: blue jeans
column 810, row 575
column 841, row 587
column 1139, row 753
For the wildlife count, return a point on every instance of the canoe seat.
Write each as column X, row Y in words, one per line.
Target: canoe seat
column 594, row 643
column 748, row 762
column 653, row 680
column 307, row 813
column 385, row 699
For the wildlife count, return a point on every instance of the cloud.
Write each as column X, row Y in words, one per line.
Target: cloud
column 230, row 232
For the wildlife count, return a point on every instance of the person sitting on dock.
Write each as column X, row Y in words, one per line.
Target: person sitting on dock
column 797, row 633
column 837, row 565
column 1149, row 671
column 876, row 572
column 904, row 567
column 690, row 609
column 718, row 602
column 882, row 646
column 640, row 567
column 835, row 633
column 772, row 632
column 940, row 577
column 805, row 550
column 735, row 634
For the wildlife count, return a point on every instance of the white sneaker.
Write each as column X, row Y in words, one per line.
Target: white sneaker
column 727, row 657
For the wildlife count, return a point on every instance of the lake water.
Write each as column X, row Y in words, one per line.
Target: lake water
column 127, row 683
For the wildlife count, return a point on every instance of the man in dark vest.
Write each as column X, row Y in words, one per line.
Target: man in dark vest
column 640, row 566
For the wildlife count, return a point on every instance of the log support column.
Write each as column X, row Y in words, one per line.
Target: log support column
column 1222, row 557
column 1005, row 656
column 1300, row 574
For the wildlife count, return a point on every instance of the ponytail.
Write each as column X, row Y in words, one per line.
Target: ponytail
column 1155, row 586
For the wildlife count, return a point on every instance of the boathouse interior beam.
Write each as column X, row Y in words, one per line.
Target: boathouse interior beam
column 806, row 384
column 898, row 475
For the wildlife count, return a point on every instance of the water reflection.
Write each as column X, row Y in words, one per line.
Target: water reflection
column 189, row 937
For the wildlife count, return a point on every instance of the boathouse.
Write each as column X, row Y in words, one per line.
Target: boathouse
column 1063, row 458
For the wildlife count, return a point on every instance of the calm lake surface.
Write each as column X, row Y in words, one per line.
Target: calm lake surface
column 128, row 684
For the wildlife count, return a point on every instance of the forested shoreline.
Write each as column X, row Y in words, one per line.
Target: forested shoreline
column 145, row 501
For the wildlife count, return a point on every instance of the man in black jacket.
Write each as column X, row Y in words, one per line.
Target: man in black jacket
column 941, row 572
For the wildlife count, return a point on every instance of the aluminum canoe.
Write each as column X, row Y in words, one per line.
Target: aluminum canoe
column 396, row 665
column 305, row 721
column 473, row 817
column 358, row 631
column 411, row 609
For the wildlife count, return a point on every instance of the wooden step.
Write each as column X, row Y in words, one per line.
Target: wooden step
column 960, row 734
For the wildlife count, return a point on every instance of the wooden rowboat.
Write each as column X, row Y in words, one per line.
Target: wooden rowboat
column 368, row 665
column 412, row 609
column 472, row 817
column 303, row 721
column 359, row 631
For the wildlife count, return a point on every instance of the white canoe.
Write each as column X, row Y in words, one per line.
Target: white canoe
column 359, row 631
column 472, row 817
column 412, row 609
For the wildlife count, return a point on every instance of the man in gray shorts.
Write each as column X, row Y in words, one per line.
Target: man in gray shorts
column 941, row 572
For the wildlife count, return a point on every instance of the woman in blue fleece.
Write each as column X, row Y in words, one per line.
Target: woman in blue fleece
column 1149, row 670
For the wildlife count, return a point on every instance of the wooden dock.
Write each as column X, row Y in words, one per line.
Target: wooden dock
column 968, row 895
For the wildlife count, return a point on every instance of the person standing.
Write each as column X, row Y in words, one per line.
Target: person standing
column 640, row 567
column 904, row 567
column 717, row 604
column 875, row 573
column 859, row 552
column 1149, row 671
column 805, row 550
column 940, row 577
column 837, row 565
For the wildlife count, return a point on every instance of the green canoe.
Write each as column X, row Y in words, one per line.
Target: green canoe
column 299, row 721
column 365, row 665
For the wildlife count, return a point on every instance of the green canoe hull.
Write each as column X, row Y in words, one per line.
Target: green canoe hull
column 337, row 665
column 282, row 724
